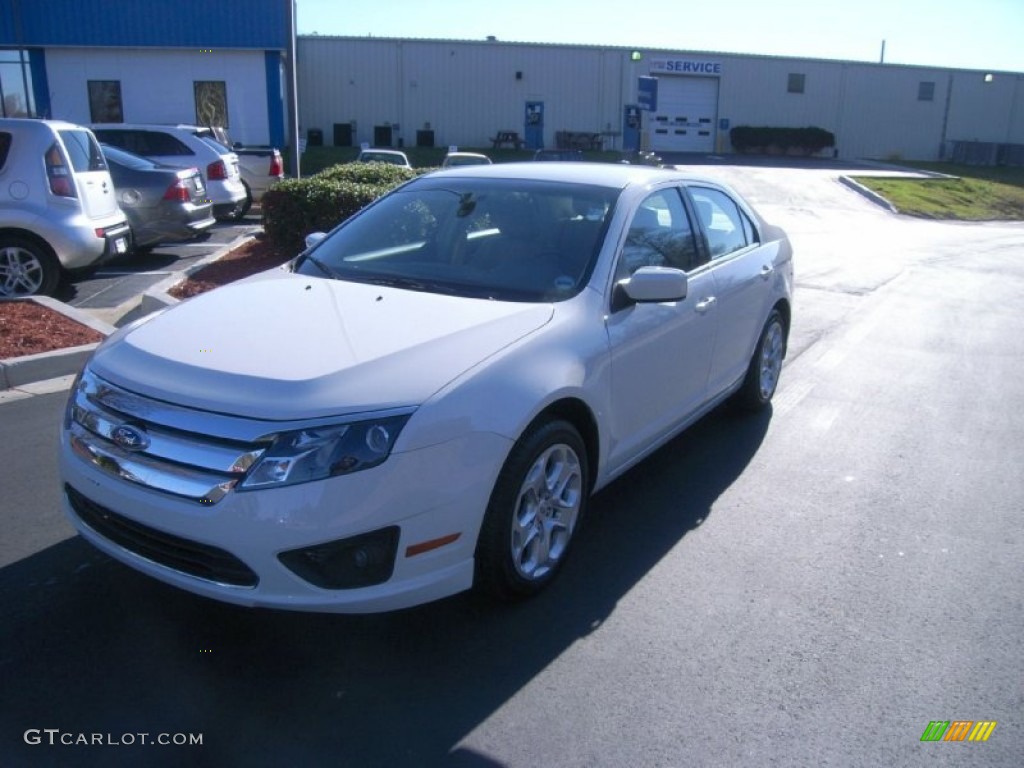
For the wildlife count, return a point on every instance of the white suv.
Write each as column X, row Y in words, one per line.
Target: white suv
column 58, row 208
column 185, row 146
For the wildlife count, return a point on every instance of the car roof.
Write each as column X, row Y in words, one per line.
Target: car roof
column 617, row 175
column 150, row 126
column 54, row 124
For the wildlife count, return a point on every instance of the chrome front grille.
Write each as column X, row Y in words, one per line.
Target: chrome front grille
column 160, row 446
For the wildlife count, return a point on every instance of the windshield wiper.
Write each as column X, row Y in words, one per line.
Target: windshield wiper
column 323, row 267
column 405, row 282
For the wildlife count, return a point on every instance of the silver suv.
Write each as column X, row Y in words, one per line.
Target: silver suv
column 185, row 146
column 58, row 208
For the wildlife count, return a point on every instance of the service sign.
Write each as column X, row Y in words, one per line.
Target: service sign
column 685, row 67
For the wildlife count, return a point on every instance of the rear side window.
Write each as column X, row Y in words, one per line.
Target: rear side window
column 83, row 151
column 157, row 143
column 726, row 226
column 5, row 147
column 146, row 143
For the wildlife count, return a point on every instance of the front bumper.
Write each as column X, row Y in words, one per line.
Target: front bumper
column 434, row 494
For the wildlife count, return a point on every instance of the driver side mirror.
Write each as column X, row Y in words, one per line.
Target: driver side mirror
column 313, row 238
column 650, row 285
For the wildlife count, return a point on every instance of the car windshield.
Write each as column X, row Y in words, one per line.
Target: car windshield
column 382, row 157
column 212, row 142
column 503, row 239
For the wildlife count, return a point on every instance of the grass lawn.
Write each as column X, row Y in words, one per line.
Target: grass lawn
column 979, row 193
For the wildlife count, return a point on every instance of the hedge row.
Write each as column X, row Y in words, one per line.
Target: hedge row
column 751, row 139
column 295, row 207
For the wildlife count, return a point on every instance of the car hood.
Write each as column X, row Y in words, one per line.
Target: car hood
column 283, row 346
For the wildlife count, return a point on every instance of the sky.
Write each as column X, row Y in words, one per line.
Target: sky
column 969, row 34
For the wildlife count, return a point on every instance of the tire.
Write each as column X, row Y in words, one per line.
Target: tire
column 763, row 373
column 27, row 268
column 245, row 205
column 535, row 509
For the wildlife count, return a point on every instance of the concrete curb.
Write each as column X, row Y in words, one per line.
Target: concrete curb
column 157, row 297
column 17, row 371
column 874, row 197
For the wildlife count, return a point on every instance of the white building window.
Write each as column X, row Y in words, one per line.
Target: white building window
column 796, row 82
column 926, row 91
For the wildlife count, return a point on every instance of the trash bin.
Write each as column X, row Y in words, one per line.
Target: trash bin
column 315, row 137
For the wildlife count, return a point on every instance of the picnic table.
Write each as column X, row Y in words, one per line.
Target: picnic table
column 509, row 138
column 584, row 140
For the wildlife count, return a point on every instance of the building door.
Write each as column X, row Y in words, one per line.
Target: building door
column 534, row 128
column 686, row 115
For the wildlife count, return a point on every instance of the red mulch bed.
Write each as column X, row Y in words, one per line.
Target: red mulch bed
column 27, row 328
column 255, row 256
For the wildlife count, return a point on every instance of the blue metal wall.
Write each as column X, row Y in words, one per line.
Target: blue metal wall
column 145, row 23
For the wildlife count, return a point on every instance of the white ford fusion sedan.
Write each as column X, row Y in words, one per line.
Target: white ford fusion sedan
column 424, row 399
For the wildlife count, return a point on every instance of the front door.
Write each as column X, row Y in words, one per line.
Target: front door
column 533, row 131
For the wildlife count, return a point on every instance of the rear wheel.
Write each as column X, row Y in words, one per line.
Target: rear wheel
column 245, row 205
column 766, row 364
column 27, row 268
column 534, row 511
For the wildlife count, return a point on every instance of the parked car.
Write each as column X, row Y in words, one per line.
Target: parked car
column 58, row 210
column 558, row 154
column 161, row 202
column 185, row 146
column 445, row 379
column 390, row 156
column 261, row 167
column 453, row 159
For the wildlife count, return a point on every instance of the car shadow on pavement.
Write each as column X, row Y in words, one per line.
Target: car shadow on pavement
column 90, row 646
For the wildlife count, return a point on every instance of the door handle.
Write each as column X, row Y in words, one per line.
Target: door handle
column 705, row 304
column 767, row 270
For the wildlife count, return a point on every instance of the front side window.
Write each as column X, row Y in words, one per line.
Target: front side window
column 726, row 226
column 508, row 240
column 660, row 235
column 105, row 101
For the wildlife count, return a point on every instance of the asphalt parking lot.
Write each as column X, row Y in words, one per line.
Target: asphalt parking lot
column 810, row 587
column 113, row 290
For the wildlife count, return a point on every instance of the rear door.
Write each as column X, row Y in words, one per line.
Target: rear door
column 95, row 187
column 743, row 267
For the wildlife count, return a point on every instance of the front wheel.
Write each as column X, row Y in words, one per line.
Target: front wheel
column 27, row 268
column 765, row 365
column 536, row 506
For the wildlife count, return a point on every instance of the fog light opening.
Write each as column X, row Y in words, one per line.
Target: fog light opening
column 359, row 561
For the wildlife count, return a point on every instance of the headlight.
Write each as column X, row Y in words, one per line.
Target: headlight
column 319, row 452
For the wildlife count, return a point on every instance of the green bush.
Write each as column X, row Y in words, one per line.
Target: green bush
column 295, row 207
column 770, row 140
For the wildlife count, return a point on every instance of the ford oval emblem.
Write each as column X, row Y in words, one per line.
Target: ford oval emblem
column 129, row 438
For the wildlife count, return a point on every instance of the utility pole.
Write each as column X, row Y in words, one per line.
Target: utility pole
column 881, row 59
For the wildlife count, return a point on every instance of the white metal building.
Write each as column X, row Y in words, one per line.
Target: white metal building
column 390, row 91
